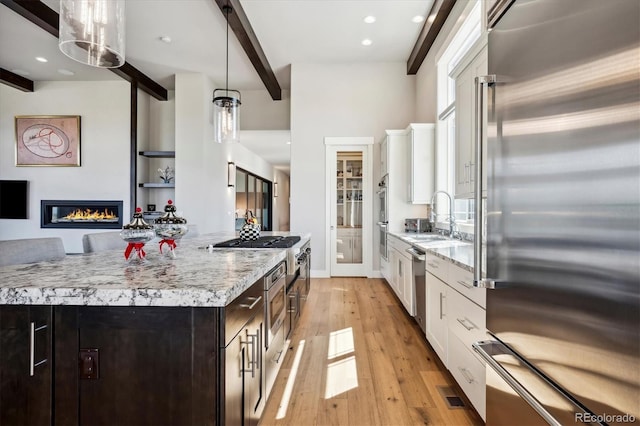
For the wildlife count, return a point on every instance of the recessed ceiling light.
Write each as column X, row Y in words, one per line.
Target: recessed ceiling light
column 370, row 19
column 288, row 142
column 41, row 59
column 417, row 19
column 366, row 42
column 166, row 39
column 66, row 72
column 20, row 72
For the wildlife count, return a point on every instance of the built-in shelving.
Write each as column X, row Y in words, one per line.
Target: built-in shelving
column 156, row 185
column 158, row 154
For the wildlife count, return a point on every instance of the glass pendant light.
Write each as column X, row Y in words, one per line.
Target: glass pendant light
column 93, row 31
column 226, row 104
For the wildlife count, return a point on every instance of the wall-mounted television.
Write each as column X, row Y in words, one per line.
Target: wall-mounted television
column 13, row 199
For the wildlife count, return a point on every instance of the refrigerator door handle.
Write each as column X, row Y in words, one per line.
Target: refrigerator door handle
column 478, row 281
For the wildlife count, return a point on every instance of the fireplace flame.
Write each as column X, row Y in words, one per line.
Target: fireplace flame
column 88, row 214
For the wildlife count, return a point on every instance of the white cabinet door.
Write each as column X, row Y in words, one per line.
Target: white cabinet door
column 356, row 246
column 437, row 329
column 402, row 275
column 421, row 140
column 465, row 124
column 384, row 157
column 393, row 266
column 408, row 293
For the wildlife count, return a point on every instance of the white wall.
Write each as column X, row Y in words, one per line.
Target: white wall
column 339, row 100
column 260, row 112
column 103, row 108
column 202, row 193
column 426, row 78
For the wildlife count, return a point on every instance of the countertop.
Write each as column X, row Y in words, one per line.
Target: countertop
column 196, row 277
column 457, row 252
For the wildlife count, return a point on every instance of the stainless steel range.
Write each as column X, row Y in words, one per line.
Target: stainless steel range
column 291, row 242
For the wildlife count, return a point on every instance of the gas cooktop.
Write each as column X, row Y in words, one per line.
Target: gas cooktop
column 261, row 242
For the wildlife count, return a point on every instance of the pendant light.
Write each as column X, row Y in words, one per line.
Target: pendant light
column 226, row 105
column 93, row 31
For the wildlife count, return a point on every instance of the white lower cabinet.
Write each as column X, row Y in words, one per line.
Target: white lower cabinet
column 402, row 274
column 468, row 371
column 437, row 315
column 456, row 318
column 349, row 245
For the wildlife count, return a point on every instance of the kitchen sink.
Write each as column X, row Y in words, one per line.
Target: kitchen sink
column 429, row 237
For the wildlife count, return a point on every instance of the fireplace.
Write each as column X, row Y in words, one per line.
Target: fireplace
column 81, row 214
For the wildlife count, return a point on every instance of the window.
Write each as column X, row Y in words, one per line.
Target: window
column 253, row 196
column 464, row 38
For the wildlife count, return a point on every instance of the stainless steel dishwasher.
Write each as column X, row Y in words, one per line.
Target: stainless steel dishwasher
column 418, row 268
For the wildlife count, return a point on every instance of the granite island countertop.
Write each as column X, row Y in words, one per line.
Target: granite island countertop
column 197, row 277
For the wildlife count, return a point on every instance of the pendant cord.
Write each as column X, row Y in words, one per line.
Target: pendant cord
column 227, row 73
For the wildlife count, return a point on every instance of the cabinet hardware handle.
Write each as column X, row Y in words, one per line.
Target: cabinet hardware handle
column 441, row 297
column 464, row 284
column 32, row 347
column 433, row 265
column 464, row 323
column 467, row 376
column 252, row 305
column 252, row 361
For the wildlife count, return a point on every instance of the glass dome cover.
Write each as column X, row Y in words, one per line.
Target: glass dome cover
column 170, row 227
column 137, row 233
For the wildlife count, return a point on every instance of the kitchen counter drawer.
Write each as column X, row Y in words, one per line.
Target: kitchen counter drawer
column 466, row 319
column 469, row 372
column 398, row 244
column 462, row 280
column 437, row 266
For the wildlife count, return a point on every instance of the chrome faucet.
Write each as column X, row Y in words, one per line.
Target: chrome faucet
column 434, row 215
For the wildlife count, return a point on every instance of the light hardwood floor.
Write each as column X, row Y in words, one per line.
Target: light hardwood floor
column 357, row 358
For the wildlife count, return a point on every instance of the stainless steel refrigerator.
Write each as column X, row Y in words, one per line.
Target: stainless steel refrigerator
column 563, row 212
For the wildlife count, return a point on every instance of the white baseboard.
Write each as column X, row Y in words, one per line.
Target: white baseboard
column 323, row 273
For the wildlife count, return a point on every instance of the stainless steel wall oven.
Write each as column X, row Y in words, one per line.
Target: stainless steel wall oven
column 275, row 315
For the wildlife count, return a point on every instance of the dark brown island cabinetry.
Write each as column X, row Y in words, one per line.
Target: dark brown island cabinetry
column 25, row 365
column 120, row 365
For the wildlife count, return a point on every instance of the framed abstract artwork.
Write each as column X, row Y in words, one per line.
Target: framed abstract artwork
column 48, row 140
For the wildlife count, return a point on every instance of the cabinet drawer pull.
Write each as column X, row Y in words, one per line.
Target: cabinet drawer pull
column 467, row 376
column 256, row 300
column 464, row 323
column 433, row 265
column 464, row 283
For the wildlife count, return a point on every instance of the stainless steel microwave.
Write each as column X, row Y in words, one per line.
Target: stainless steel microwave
column 417, row 225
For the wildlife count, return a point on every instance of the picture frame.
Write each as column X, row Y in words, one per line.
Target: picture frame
column 48, row 140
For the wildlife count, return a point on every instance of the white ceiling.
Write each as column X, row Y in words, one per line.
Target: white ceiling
column 289, row 31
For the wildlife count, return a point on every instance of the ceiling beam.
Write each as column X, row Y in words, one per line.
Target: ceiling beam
column 16, row 81
column 241, row 27
column 49, row 20
column 432, row 26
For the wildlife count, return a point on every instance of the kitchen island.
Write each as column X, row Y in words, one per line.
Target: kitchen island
column 92, row 339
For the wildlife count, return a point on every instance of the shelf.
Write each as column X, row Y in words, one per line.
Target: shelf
column 156, row 185
column 158, row 154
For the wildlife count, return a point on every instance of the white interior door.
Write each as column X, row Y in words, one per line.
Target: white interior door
column 350, row 205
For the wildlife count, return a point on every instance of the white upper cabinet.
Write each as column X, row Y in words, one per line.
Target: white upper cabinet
column 421, row 181
column 474, row 65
